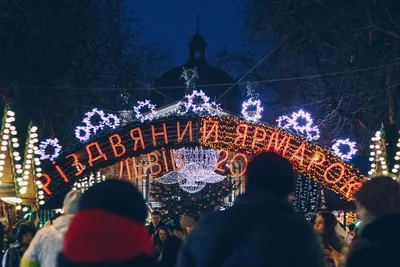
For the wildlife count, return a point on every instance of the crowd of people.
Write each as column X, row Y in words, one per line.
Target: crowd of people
column 105, row 226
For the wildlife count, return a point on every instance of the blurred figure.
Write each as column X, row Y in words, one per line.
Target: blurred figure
column 186, row 225
column 325, row 227
column 166, row 247
column 261, row 229
column 155, row 222
column 109, row 229
column 378, row 206
column 24, row 236
column 47, row 243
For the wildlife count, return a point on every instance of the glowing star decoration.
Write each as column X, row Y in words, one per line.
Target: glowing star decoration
column 196, row 171
column 82, row 133
column 147, row 115
column 99, row 123
column 251, row 109
column 44, row 147
column 338, row 150
column 301, row 123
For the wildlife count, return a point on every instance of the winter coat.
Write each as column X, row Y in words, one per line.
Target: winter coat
column 153, row 229
column 378, row 244
column 47, row 244
column 261, row 229
column 12, row 257
column 169, row 251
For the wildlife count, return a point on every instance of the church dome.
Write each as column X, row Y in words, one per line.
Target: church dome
column 211, row 79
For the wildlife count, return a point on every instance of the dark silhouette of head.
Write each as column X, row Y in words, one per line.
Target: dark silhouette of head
column 270, row 171
column 379, row 196
column 329, row 236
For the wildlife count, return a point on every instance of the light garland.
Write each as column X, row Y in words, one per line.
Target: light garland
column 142, row 116
column 197, row 102
column 252, row 109
column 83, row 184
column 308, row 159
column 82, row 133
column 308, row 130
column 352, row 150
column 44, row 146
column 100, row 124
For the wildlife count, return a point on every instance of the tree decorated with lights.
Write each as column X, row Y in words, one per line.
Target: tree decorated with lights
column 175, row 201
column 385, row 152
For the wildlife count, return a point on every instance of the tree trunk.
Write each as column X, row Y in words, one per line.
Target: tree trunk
column 389, row 98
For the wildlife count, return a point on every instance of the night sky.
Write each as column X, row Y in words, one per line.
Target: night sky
column 171, row 24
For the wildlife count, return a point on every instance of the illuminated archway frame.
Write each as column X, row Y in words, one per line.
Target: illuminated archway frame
column 224, row 133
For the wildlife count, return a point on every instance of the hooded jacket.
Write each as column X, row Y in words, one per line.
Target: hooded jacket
column 47, row 244
column 377, row 244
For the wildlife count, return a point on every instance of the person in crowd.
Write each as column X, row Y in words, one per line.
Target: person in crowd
column 46, row 245
column 261, row 229
column 13, row 255
column 186, row 225
column 109, row 229
column 325, row 227
column 155, row 222
column 166, row 247
column 378, row 206
column 1, row 241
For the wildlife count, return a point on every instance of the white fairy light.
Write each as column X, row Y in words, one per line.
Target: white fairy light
column 45, row 145
column 112, row 121
column 89, row 116
column 351, row 147
column 252, row 109
column 308, row 129
column 82, row 133
column 197, row 102
column 144, row 116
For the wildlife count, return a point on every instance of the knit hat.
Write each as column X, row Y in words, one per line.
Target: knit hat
column 109, row 228
column 186, row 221
column 272, row 172
column 379, row 195
column 71, row 202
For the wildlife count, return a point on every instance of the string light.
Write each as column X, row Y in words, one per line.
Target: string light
column 82, row 133
column 145, row 116
column 100, row 123
column 351, row 147
column 44, row 147
column 251, row 109
column 87, row 181
column 112, row 121
column 197, row 102
column 308, row 129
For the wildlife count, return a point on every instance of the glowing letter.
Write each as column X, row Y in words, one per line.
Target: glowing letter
column 222, row 160
column 181, row 135
column 241, row 134
column 75, row 163
column 121, row 169
column 137, row 138
column 46, row 183
column 214, row 129
column 90, row 155
column 335, row 180
column 299, row 154
column 164, row 133
column 257, row 139
column 115, row 142
column 317, row 159
column 136, row 169
column 153, row 163
column 278, row 145
column 60, row 172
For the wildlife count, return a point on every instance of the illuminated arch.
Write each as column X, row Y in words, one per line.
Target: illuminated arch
column 156, row 140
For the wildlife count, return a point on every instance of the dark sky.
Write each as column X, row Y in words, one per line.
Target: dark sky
column 171, row 24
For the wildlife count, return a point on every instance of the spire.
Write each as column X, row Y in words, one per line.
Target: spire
column 197, row 24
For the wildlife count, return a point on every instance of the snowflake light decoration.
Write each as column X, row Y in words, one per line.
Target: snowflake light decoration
column 307, row 129
column 111, row 121
column 82, row 133
column 214, row 109
column 140, row 115
column 352, row 150
column 198, row 101
column 44, row 146
column 251, row 109
column 99, row 124
column 182, row 108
